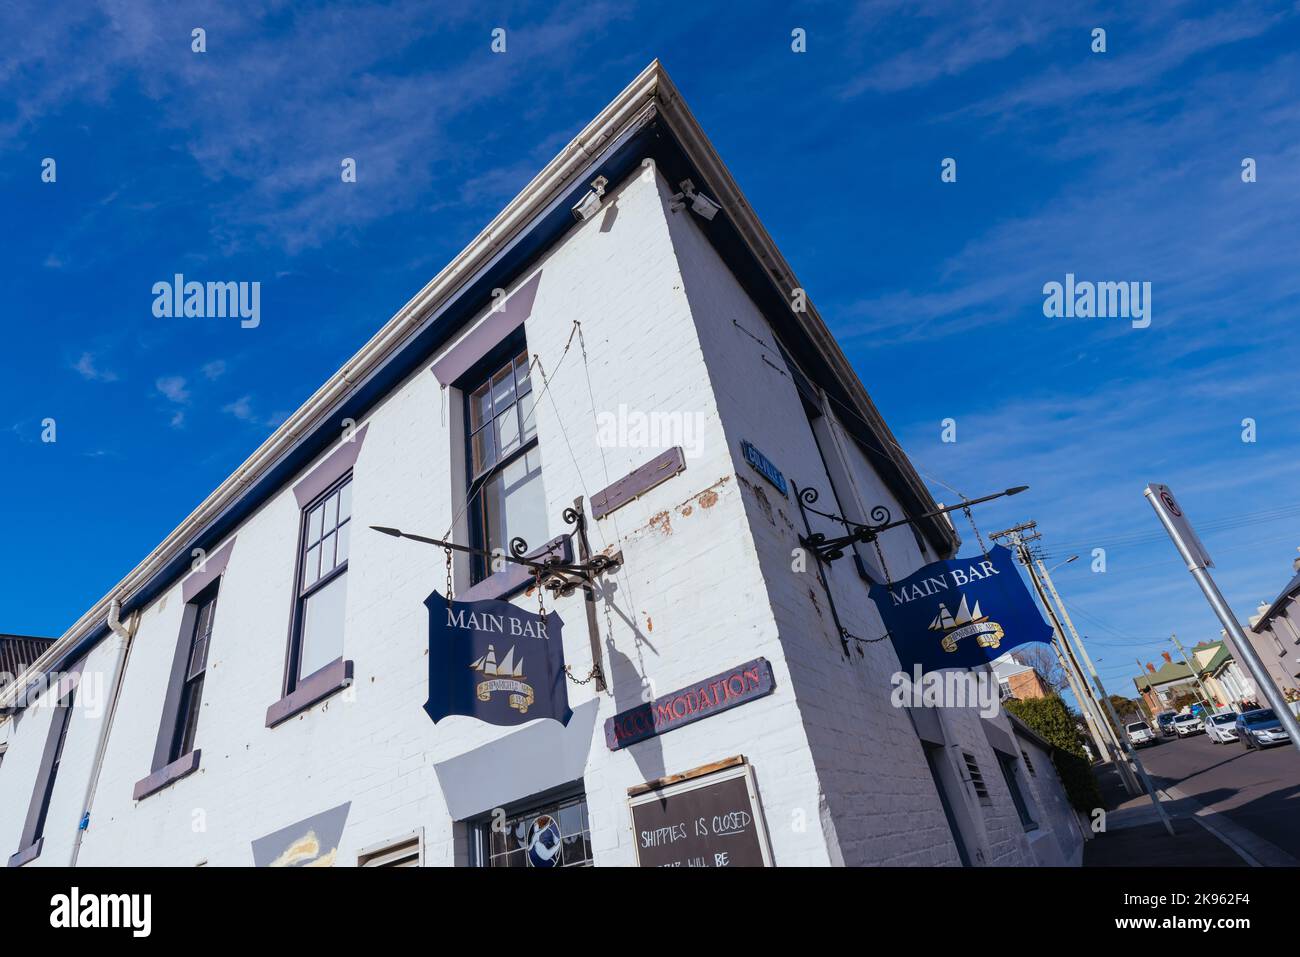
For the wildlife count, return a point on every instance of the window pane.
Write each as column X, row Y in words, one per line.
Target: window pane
column 345, row 532
column 327, row 554
column 515, row 504
column 480, row 408
column 322, row 627
column 528, row 415
column 494, row 523
column 311, row 566
column 314, row 524
column 503, row 389
column 510, row 847
column 507, row 428
column 198, row 658
column 521, row 374
column 331, row 511
column 193, row 701
column 345, row 502
column 484, row 450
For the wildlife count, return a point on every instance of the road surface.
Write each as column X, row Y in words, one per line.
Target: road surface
column 1257, row 790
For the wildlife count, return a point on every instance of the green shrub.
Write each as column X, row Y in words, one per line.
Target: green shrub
column 1051, row 720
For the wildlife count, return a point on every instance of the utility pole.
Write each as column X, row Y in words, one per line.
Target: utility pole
column 1125, row 767
column 1117, row 727
column 1197, row 559
column 1209, row 702
column 1102, row 735
column 1142, row 671
column 1106, row 702
column 1098, row 739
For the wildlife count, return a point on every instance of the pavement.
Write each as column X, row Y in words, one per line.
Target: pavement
column 1229, row 807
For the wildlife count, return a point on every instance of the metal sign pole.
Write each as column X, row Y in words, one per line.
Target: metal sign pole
column 1193, row 553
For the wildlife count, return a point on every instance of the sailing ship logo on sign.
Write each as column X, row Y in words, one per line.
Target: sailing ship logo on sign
column 966, row 623
column 506, row 675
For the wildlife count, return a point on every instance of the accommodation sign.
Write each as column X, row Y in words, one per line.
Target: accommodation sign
column 736, row 686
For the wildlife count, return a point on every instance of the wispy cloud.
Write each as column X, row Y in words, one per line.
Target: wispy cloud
column 173, row 388
column 88, row 368
column 272, row 133
column 244, row 410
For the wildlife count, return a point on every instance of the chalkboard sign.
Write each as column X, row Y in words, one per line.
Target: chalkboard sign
column 714, row 820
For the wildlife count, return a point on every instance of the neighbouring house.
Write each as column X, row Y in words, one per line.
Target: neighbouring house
column 1221, row 674
column 1275, row 633
column 18, row 653
column 278, row 686
column 1018, row 681
column 1160, row 686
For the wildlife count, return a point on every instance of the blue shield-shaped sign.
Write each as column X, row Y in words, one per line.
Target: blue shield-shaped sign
column 494, row 661
column 960, row 613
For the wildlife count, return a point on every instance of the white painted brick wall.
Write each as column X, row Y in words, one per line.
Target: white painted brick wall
column 706, row 585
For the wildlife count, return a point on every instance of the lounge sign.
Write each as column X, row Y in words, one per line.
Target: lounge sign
column 719, row 693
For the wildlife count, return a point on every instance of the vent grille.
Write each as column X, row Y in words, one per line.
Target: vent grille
column 976, row 778
column 404, row 853
column 1029, row 765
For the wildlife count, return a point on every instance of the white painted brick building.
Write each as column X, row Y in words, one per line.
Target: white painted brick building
column 678, row 314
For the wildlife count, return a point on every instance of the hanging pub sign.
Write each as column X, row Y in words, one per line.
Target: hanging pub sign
column 494, row 661
column 960, row 613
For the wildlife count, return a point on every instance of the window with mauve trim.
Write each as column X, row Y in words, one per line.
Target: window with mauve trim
column 62, row 719
column 506, row 497
column 322, row 581
column 187, row 720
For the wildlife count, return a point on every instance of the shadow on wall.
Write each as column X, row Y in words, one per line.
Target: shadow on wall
column 631, row 687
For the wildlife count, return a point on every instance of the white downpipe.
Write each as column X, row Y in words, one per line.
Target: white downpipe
column 126, row 633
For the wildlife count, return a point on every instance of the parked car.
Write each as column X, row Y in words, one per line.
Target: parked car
column 1140, row 734
column 1222, row 728
column 1165, row 722
column 1186, row 725
column 1260, row 729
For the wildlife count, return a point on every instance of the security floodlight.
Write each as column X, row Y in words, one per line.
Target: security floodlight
column 589, row 205
column 704, row 206
column 701, row 205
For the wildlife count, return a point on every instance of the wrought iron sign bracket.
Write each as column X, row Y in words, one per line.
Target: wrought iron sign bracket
column 557, row 575
column 828, row 549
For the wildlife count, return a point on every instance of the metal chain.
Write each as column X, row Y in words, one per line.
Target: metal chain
column 591, row 675
column 864, row 641
column 889, row 579
column 537, row 577
column 980, row 538
column 448, row 551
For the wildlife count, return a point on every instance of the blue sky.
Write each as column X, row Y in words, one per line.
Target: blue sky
column 1116, row 166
